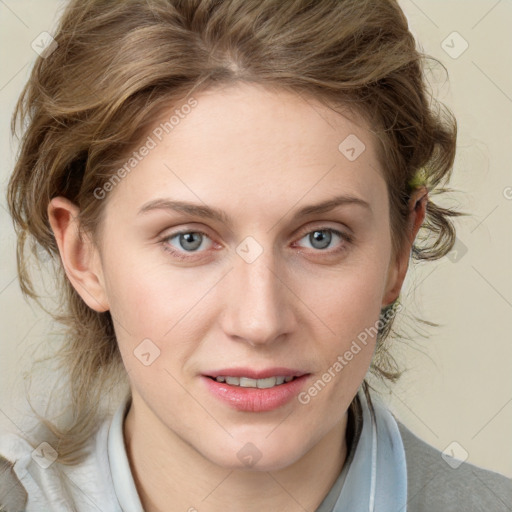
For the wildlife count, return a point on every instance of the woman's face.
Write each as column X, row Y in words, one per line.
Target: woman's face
column 263, row 283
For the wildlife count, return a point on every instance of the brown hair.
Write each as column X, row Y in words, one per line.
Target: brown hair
column 118, row 64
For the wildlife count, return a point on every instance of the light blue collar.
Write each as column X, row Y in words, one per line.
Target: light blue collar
column 376, row 480
column 377, row 477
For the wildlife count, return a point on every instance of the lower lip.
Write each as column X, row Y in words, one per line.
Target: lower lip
column 255, row 399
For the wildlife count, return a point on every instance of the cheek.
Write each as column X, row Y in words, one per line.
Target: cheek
column 137, row 300
column 351, row 311
column 150, row 300
column 354, row 318
column 144, row 295
column 142, row 304
column 351, row 299
column 349, row 304
column 150, row 318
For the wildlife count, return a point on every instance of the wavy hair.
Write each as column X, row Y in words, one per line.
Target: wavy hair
column 90, row 101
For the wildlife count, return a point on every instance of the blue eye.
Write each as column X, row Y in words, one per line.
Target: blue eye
column 321, row 238
column 188, row 244
column 189, row 241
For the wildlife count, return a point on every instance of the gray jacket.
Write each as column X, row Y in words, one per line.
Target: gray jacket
column 434, row 486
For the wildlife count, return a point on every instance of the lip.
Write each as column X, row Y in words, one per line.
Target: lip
column 256, row 374
column 255, row 399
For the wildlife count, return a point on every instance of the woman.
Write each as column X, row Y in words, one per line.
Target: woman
column 291, row 144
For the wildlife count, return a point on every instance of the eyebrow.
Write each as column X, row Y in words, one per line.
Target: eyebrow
column 209, row 212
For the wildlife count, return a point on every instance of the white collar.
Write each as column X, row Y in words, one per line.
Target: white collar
column 122, row 477
column 376, row 480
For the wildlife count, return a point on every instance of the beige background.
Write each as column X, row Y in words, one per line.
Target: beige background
column 459, row 384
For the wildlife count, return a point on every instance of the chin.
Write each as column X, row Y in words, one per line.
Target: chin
column 259, row 451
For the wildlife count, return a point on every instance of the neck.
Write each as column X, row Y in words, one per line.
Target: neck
column 167, row 470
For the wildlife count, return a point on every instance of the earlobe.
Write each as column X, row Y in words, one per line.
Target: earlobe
column 78, row 254
column 398, row 268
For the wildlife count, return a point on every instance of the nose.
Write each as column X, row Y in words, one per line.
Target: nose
column 258, row 304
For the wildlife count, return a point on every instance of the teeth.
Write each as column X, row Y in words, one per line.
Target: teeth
column 246, row 382
column 269, row 382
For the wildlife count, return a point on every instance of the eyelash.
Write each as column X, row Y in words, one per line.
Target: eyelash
column 346, row 238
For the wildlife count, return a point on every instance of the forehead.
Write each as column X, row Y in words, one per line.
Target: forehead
column 254, row 147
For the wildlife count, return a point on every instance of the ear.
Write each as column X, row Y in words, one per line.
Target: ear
column 398, row 267
column 78, row 254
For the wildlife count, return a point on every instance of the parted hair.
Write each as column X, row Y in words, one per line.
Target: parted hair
column 116, row 66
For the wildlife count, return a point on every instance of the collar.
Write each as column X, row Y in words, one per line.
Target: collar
column 122, row 478
column 375, row 481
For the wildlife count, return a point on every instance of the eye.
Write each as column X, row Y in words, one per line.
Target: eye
column 321, row 238
column 187, row 245
column 185, row 242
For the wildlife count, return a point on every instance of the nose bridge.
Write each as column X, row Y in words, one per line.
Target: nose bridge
column 257, row 307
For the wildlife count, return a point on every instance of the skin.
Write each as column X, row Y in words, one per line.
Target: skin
column 259, row 155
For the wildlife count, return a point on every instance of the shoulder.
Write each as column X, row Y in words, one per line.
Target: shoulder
column 435, row 480
column 15, row 462
column 32, row 479
column 13, row 495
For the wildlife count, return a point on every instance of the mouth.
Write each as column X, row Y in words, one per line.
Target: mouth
column 255, row 391
column 247, row 382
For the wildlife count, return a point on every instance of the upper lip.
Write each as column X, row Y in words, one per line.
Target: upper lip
column 256, row 374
